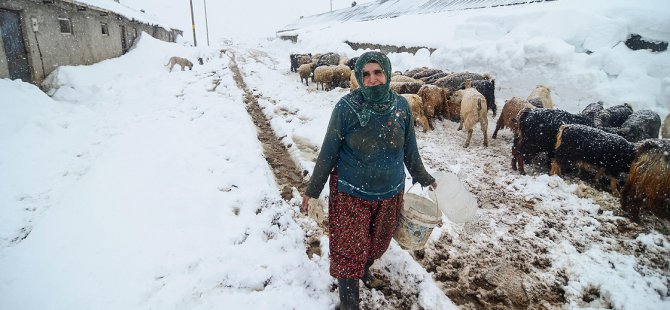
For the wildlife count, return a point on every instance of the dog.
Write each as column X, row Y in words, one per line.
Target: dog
column 183, row 62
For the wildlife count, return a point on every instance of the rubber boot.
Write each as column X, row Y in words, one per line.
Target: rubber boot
column 370, row 280
column 349, row 295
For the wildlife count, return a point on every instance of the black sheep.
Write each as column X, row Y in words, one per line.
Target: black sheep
column 294, row 62
column 641, row 125
column 537, row 133
column 592, row 109
column 579, row 144
column 613, row 116
column 352, row 63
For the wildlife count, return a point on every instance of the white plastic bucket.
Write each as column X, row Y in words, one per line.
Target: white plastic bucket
column 453, row 199
column 418, row 217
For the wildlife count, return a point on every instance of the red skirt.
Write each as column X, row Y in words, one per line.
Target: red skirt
column 360, row 230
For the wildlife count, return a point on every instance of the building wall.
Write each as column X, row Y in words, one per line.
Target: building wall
column 48, row 48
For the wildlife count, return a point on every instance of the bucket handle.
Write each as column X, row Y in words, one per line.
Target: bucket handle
column 436, row 207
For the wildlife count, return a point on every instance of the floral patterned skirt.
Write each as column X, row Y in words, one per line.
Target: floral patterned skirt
column 360, row 230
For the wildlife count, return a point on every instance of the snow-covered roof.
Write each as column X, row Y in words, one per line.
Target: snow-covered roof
column 118, row 8
column 393, row 8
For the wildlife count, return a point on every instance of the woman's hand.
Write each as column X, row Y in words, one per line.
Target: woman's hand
column 304, row 207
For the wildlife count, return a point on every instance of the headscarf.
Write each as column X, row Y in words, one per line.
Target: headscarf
column 368, row 99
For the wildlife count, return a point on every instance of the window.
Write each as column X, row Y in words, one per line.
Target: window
column 105, row 30
column 65, row 25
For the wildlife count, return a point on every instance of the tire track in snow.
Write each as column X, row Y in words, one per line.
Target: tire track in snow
column 287, row 174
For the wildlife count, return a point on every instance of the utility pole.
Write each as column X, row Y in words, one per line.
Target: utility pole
column 331, row 5
column 206, row 23
column 195, row 42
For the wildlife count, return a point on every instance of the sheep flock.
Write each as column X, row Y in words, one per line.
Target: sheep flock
column 616, row 144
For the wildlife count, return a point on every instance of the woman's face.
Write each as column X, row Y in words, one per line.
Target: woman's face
column 373, row 74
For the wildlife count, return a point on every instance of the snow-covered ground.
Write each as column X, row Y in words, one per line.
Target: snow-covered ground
column 131, row 187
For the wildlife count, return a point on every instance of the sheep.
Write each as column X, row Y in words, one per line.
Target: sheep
column 434, row 100
column 453, row 81
column 416, row 105
column 592, row 109
column 613, row 116
column 431, row 79
column 295, row 59
column 509, row 117
column 486, row 88
column 353, row 83
column 537, row 133
column 328, row 59
column 453, row 110
column 536, row 102
column 425, row 73
column 304, row 59
column 352, row 63
column 414, row 71
column 406, row 87
column 665, row 132
column 305, row 71
column 404, row 79
column 544, row 94
column 594, row 147
column 641, row 125
column 294, row 62
column 344, row 60
column 323, row 75
column 648, row 183
column 473, row 111
column 341, row 74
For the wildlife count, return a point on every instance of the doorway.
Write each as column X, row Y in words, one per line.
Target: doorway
column 15, row 48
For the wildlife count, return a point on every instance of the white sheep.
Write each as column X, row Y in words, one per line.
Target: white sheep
column 305, row 71
column 473, row 111
column 544, row 94
column 323, row 75
column 343, row 60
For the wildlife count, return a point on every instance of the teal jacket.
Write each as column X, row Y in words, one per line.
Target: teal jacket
column 369, row 159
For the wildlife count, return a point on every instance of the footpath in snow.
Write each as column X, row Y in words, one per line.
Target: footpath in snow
column 132, row 187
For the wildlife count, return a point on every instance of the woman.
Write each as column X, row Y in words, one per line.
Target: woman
column 369, row 141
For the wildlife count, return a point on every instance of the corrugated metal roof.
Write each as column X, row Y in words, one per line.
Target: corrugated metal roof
column 393, row 8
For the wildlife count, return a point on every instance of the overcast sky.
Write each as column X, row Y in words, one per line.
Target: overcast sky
column 248, row 18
